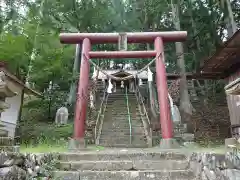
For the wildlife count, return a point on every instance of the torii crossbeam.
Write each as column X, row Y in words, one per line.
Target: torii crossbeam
column 158, row 38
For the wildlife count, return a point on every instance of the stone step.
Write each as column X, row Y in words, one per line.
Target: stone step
column 124, row 145
column 117, row 118
column 135, row 130
column 119, row 98
column 116, row 121
column 122, row 96
column 117, row 140
column 112, row 138
column 123, row 165
column 122, row 125
column 120, row 104
column 123, row 114
column 116, row 109
column 6, row 141
column 120, row 120
column 123, row 103
column 125, row 175
column 10, row 148
column 120, row 115
column 122, row 99
column 114, row 156
column 121, row 134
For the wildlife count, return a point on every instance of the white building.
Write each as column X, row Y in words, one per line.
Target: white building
column 9, row 117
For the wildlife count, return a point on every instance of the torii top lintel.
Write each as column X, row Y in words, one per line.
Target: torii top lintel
column 132, row 37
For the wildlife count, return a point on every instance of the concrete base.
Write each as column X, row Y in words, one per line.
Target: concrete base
column 169, row 144
column 76, row 144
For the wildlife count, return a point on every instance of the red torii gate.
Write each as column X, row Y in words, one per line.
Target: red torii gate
column 159, row 38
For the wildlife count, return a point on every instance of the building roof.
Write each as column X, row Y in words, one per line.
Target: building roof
column 226, row 60
column 13, row 78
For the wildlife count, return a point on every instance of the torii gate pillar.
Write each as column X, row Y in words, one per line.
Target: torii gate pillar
column 78, row 141
column 167, row 141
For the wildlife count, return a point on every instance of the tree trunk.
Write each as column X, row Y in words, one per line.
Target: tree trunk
column 197, row 62
column 185, row 104
column 73, row 88
column 232, row 28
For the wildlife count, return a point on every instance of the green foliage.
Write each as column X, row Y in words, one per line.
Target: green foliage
column 45, row 133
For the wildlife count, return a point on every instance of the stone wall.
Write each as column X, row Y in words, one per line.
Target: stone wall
column 26, row 166
column 208, row 166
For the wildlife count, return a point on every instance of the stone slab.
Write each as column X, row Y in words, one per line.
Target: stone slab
column 125, row 175
column 123, row 165
column 101, row 165
column 122, row 145
column 161, row 165
column 124, row 155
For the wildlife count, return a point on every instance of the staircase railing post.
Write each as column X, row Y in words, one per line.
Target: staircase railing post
column 99, row 117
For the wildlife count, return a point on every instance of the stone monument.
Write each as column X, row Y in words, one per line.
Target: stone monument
column 61, row 116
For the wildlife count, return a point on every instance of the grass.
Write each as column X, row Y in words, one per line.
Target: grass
column 42, row 148
column 46, row 147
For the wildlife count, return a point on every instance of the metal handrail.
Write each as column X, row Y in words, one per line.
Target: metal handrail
column 141, row 100
column 129, row 116
column 147, row 125
column 101, row 122
column 99, row 114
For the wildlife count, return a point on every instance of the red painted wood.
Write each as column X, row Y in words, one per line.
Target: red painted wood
column 122, row 54
column 82, row 94
column 132, row 37
column 161, row 81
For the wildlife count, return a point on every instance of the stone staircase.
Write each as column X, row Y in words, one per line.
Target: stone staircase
column 127, row 165
column 116, row 127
